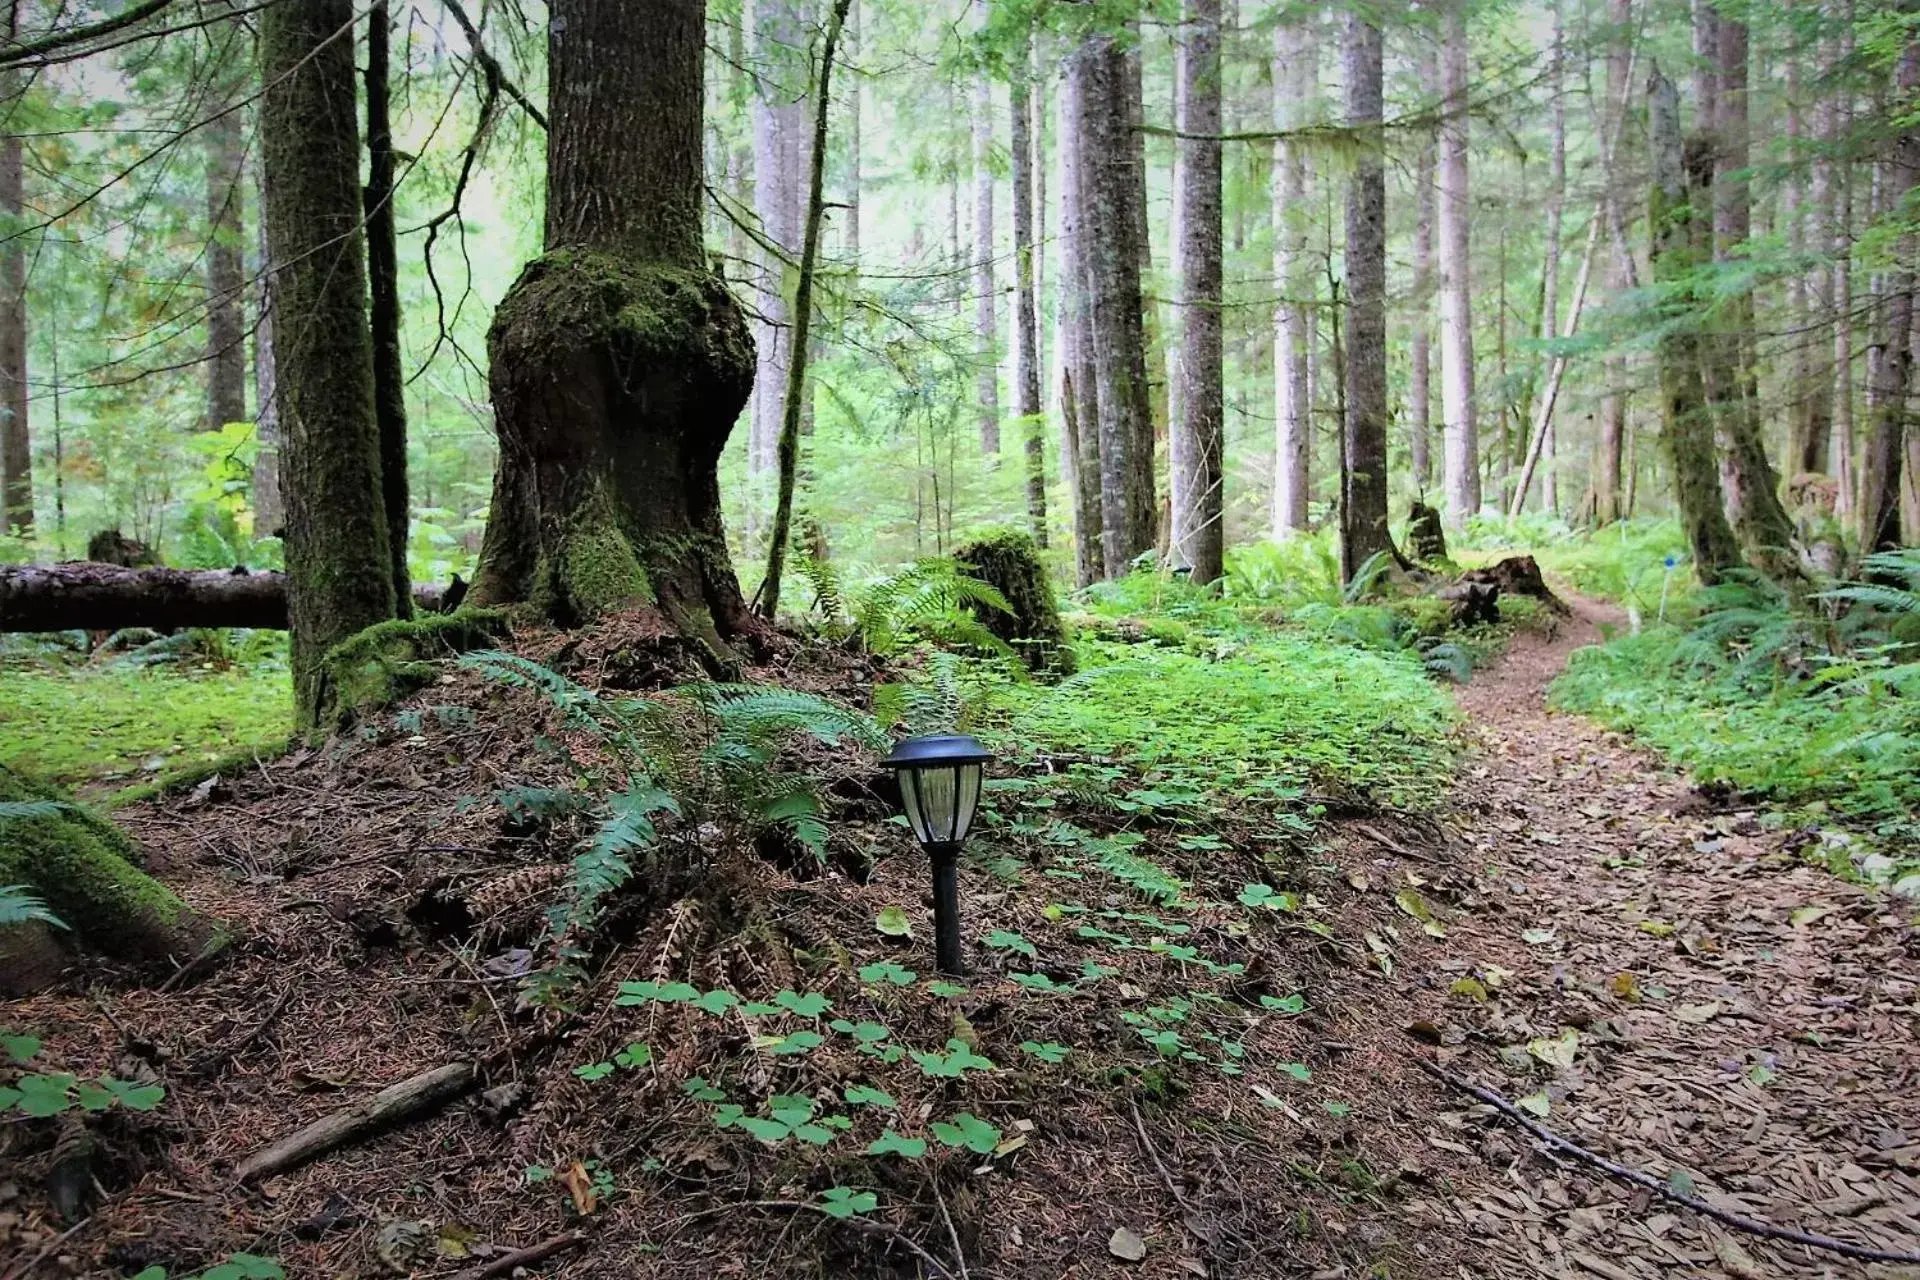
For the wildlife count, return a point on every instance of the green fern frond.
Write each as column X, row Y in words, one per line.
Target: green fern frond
column 20, row 809
column 20, row 905
column 524, row 673
column 757, row 713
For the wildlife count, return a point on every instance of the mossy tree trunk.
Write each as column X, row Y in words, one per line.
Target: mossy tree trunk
column 16, row 437
column 383, row 269
column 1678, row 217
column 1880, row 488
column 339, row 567
column 619, row 359
column 1363, row 507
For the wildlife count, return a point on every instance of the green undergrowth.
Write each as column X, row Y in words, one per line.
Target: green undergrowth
column 1634, row 563
column 1813, row 710
column 104, row 727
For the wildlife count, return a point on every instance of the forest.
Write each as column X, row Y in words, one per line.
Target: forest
column 959, row 638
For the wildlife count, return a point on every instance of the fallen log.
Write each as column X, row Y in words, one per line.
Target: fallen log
column 1519, row 576
column 86, row 596
column 392, row 1105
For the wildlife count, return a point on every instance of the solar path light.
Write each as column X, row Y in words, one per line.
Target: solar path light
column 940, row 776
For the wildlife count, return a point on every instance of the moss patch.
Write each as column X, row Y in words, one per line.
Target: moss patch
column 389, row 660
column 83, row 866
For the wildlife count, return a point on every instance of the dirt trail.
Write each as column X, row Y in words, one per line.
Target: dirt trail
column 1737, row 1014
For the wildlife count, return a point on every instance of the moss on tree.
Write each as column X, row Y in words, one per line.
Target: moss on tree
column 385, row 662
column 86, row 870
column 1010, row 561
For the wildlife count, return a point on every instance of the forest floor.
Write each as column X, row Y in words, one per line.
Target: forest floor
column 1657, row 974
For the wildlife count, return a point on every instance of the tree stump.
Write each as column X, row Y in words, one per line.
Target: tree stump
column 1010, row 562
column 1426, row 538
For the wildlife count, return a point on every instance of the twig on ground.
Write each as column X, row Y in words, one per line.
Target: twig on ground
column 46, row 1251
column 959, row 1254
column 861, row 1225
column 393, row 1104
column 506, row 1262
column 1194, row 1221
column 1646, row 1181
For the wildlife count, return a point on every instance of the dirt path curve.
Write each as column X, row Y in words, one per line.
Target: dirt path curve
column 1731, row 1012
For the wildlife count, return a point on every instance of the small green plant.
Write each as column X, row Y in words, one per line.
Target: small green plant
column 931, row 599
column 238, row 1266
column 953, row 1064
column 967, row 1132
column 845, row 1202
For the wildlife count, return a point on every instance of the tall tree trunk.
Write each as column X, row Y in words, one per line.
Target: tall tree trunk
column 1079, row 384
column 1837, row 122
column 339, row 570
column 1679, row 218
column 16, row 437
column 795, row 391
column 1420, row 344
column 1363, row 505
column 383, row 272
column 856, row 91
column 1026, row 334
column 226, row 276
column 619, row 361
column 1199, row 436
column 1112, row 259
column 1550, row 273
column 1752, row 491
column 986, row 325
column 1886, row 433
column 1151, row 422
column 1807, row 204
column 1620, row 271
column 779, row 163
column 1295, row 84
column 269, row 511
column 1458, row 404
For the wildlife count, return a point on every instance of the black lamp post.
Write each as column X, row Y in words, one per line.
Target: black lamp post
column 940, row 777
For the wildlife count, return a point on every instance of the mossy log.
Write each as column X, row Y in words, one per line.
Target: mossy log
column 89, row 596
column 87, row 872
column 1010, row 561
column 389, row 660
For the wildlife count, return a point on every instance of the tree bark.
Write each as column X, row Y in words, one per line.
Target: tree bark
column 619, row 361
column 337, row 550
column 1026, row 332
column 1550, row 273
column 986, row 331
column 1197, row 542
column 269, row 511
column 1079, row 385
column 789, row 448
column 1804, row 204
column 1110, row 249
column 1295, row 83
column 856, row 90
column 1752, row 490
column 1458, row 404
column 1420, row 344
column 779, row 161
column 1363, row 506
column 383, row 274
column 100, row 597
column 1679, row 218
column 1607, row 504
column 226, row 277
column 16, row 437
column 1836, row 125
column 1886, row 433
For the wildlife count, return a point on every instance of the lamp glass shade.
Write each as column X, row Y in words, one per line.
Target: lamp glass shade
column 940, row 778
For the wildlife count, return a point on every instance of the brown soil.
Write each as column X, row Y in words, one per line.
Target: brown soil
column 356, row 975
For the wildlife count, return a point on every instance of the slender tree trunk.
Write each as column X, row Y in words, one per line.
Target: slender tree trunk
column 1752, row 491
column 1295, row 84
column 226, row 275
column 1079, row 384
column 1199, row 435
column 1026, row 334
column 1363, row 506
column 1886, row 433
column 1620, row 272
column 339, row 566
column 1550, row 274
column 1679, row 218
column 986, row 330
column 795, row 396
column 779, row 165
column 618, row 361
column 1420, row 344
column 1839, row 124
column 856, row 90
column 1146, row 499
column 1458, row 404
column 269, row 512
column 16, row 437
column 1810, row 203
column 383, row 272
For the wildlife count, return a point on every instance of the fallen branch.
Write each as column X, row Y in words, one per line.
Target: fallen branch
column 858, row 1224
column 507, row 1262
column 392, row 1105
column 1646, row 1181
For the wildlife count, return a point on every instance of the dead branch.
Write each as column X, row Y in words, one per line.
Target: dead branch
column 392, row 1105
column 495, row 74
column 506, row 1263
column 31, row 49
column 1646, row 1181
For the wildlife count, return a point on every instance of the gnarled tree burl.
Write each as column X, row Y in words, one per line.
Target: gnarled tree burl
column 619, row 359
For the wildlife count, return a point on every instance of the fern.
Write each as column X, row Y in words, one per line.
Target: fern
column 829, row 595
column 524, row 673
column 757, row 714
column 21, row 809
column 20, row 905
column 932, row 598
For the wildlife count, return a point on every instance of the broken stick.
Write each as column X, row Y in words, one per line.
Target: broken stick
column 1752, row 1226
column 393, row 1104
column 527, row 1257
